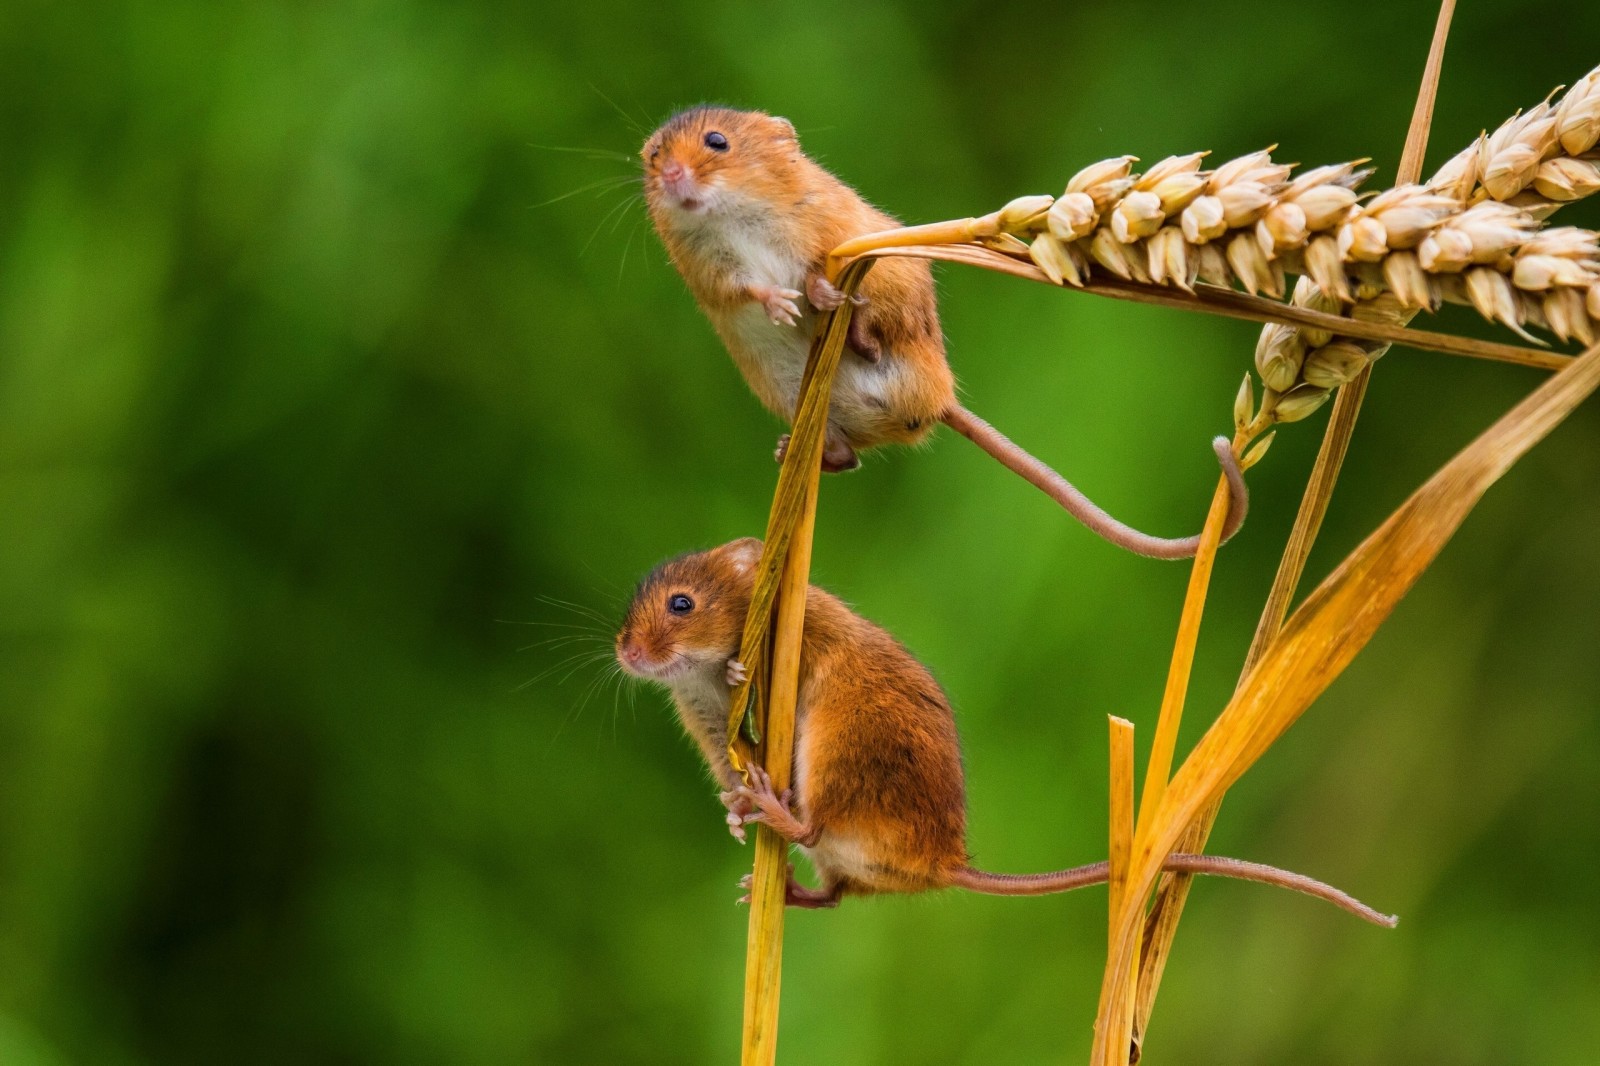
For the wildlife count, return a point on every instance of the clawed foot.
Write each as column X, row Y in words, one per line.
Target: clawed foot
column 836, row 457
column 763, row 803
column 738, row 806
column 826, row 296
column 796, row 894
column 779, row 303
column 735, row 674
column 773, row 810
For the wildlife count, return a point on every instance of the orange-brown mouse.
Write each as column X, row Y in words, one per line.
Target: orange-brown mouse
column 748, row 219
column 879, row 801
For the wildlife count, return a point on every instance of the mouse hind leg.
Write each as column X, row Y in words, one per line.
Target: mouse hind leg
column 797, row 895
column 837, row 454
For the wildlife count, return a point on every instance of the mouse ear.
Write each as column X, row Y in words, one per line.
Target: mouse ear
column 785, row 127
column 745, row 553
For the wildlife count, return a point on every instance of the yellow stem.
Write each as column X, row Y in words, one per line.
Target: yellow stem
column 1159, row 769
column 1121, row 858
column 1228, row 303
column 786, row 560
column 954, row 231
column 763, row 970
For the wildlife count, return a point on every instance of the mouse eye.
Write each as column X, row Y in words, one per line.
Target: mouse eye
column 680, row 604
column 716, row 141
column 655, row 152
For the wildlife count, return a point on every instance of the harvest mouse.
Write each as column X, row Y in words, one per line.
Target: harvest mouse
column 748, row 219
column 879, row 803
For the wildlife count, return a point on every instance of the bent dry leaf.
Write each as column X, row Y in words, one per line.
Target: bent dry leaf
column 1319, row 641
column 746, row 713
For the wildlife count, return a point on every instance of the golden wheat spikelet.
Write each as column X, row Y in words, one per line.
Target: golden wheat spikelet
column 1473, row 234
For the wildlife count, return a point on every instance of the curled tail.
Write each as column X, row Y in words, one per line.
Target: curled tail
column 1084, row 509
column 1213, row 865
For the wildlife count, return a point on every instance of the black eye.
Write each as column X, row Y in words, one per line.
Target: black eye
column 680, row 604
column 716, row 141
column 654, row 152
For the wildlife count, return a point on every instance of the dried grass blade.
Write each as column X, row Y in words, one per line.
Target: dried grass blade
column 805, row 439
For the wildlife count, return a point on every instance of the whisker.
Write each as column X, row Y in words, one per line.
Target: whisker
column 618, row 210
column 604, row 185
column 583, row 627
column 591, row 153
column 627, row 246
column 577, row 608
column 629, row 119
column 561, row 642
column 576, row 661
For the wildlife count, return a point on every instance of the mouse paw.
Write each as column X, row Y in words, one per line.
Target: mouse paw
column 826, row 296
column 738, row 806
column 748, row 880
column 837, row 457
column 736, row 674
column 779, row 303
column 782, row 449
column 767, row 805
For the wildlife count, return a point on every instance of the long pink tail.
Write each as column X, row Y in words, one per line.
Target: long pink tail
column 1211, row 865
column 1085, row 510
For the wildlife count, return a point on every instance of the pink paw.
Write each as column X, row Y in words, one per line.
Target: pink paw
column 779, row 303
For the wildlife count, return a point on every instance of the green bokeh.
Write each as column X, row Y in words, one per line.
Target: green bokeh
column 324, row 376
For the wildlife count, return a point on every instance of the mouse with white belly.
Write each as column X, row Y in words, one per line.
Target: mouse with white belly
column 748, row 219
column 879, row 798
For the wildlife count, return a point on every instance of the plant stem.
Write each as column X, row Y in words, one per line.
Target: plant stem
column 1159, row 768
column 1228, row 303
column 763, row 970
column 790, row 530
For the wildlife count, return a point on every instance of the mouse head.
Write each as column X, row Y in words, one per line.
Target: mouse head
column 687, row 615
column 707, row 159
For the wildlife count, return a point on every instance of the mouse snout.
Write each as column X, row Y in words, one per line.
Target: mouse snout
column 636, row 657
column 681, row 189
column 629, row 651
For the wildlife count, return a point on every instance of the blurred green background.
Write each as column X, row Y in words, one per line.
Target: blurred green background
column 324, row 374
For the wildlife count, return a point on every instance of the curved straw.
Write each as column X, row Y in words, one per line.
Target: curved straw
column 781, row 582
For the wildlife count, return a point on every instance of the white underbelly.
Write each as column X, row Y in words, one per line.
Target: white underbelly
column 775, row 363
column 837, row 857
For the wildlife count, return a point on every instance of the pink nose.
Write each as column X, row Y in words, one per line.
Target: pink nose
column 631, row 654
column 672, row 171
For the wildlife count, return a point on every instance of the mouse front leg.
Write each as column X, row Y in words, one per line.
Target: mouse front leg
column 738, row 804
column 779, row 303
column 739, row 807
column 773, row 811
column 825, row 296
